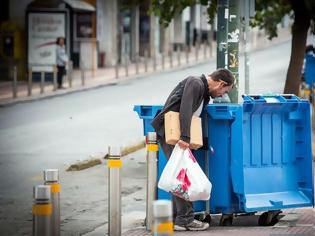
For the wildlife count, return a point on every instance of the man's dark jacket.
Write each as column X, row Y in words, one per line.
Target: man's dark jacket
column 185, row 99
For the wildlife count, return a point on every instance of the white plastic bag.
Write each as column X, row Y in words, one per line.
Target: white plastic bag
column 183, row 177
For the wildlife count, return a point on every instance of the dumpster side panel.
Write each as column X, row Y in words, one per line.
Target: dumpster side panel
column 277, row 158
column 304, row 162
column 223, row 199
column 237, row 161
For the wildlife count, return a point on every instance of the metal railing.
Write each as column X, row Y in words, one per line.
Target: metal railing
column 144, row 64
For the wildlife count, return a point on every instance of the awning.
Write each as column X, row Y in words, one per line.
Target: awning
column 80, row 5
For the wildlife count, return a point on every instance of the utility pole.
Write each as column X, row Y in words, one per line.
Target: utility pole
column 233, row 46
column 228, row 41
column 222, row 33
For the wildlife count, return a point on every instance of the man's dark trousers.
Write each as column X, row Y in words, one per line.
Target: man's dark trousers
column 183, row 211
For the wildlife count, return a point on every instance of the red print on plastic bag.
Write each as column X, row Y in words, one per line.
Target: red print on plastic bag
column 183, row 178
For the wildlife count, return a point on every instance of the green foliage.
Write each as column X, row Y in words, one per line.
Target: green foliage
column 269, row 13
column 212, row 10
column 167, row 9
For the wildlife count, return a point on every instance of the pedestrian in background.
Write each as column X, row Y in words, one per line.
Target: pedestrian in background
column 308, row 70
column 189, row 98
column 61, row 60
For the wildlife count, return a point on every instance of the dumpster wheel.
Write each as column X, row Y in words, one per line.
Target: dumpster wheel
column 269, row 218
column 226, row 220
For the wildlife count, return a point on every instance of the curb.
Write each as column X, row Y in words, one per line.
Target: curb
column 82, row 165
column 111, row 82
column 132, row 148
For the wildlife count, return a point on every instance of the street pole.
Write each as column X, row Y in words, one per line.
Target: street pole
column 222, row 33
column 233, row 46
column 222, row 36
column 152, row 149
column 223, row 12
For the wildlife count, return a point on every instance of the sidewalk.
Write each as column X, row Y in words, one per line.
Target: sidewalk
column 107, row 76
column 300, row 221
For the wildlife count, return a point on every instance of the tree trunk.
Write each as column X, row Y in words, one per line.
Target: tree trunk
column 299, row 36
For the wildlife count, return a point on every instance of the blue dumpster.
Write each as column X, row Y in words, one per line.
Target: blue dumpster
column 262, row 159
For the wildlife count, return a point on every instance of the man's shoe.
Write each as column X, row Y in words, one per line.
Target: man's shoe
column 180, row 228
column 195, row 225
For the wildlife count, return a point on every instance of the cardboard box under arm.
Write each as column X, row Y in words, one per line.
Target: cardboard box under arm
column 172, row 130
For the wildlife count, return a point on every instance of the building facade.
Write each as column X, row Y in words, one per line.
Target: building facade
column 98, row 32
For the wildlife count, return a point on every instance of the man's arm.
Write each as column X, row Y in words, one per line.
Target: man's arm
column 192, row 92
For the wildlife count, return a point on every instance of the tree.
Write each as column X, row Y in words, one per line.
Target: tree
column 269, row 14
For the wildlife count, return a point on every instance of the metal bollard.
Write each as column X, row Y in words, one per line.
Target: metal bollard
column 146, row 60
column 51, row 177
column 210, row 49
column 42, row 81
column 163, row 218
column 137, row 64
column 116, row 70
column 82, row 76
column 187, row 54
column 30, row 82
column 126, row 65
column 114, row 191
column 154, row 62
column 55, row 77
column 70, row 73
column 42, row 211
column 152, row 149
column 178, row 56
column 163, row 60
column 14, row 84
column 196, row 52
column 171, row 58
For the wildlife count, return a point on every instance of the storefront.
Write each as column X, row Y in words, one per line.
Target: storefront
column 72, row 19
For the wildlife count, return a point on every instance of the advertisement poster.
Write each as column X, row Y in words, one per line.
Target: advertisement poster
column 84, row 25
column 43, row 30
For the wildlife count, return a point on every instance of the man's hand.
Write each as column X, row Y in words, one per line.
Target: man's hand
column 182, row 144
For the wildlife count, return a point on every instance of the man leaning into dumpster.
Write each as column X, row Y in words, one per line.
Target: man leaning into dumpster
column 189, row 98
